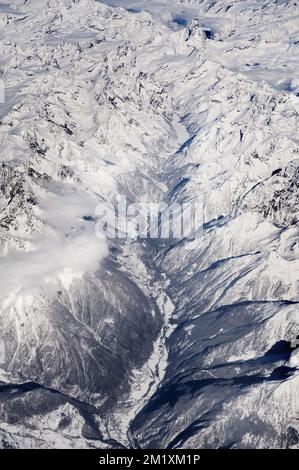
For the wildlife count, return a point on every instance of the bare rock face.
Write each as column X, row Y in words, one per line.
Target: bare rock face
column 143, row 342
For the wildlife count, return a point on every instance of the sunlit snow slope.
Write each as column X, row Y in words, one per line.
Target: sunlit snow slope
column 149, row 343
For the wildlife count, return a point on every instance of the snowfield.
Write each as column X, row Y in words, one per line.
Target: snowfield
column 144, row 343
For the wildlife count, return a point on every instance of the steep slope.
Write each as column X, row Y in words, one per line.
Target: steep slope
column 131, row 342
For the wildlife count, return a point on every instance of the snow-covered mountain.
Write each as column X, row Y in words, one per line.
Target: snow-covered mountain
column 148, row 342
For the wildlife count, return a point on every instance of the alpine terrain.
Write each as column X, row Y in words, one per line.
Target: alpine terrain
column 149, row 342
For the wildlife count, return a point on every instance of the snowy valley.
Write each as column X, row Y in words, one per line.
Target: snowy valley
column 142, row 343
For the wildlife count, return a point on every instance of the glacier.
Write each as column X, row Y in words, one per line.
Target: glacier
column 149, row 343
